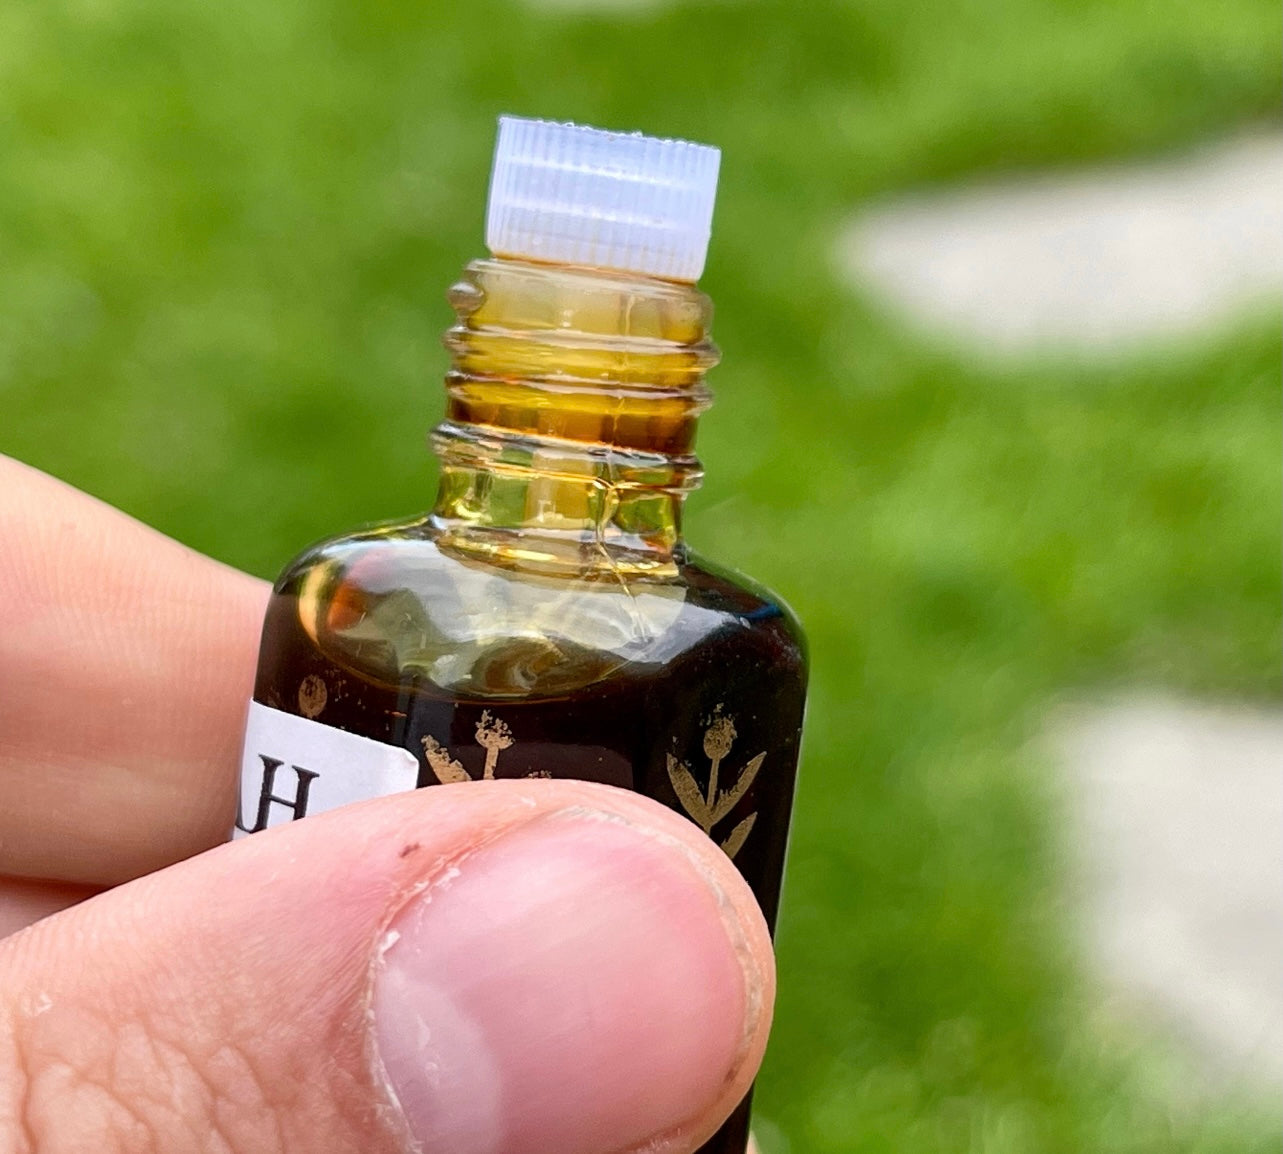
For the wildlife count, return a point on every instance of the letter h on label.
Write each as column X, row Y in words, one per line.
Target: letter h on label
column 266, row 798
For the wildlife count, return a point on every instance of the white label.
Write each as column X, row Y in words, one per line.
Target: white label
column 292, row 766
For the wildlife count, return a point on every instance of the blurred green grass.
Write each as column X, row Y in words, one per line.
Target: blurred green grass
column 225, row 234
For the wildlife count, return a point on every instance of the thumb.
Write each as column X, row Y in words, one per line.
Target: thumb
column 510, row 966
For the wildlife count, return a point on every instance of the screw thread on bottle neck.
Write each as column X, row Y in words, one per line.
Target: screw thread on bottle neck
column 572, row 403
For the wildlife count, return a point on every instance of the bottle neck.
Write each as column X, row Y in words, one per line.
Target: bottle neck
column 572, row 401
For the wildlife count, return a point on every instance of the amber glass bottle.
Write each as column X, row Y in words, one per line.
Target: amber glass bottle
column 546, row 619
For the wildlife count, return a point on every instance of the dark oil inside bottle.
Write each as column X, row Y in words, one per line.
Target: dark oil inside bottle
column 707, row 675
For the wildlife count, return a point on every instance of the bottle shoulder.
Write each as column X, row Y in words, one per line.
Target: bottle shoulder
column 391, row 602
column 749, row 602
column 347, row 550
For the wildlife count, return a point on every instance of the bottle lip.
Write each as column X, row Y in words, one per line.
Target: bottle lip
column 566, row 193
column 588, row 277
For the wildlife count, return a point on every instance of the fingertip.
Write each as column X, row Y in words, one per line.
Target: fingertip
column 584, row 982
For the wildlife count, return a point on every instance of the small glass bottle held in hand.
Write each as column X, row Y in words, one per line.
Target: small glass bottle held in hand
column 546, row 618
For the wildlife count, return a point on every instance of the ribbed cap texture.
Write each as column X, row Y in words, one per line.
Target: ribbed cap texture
column 574, row 195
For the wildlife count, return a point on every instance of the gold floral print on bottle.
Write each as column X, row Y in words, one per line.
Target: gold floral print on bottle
column 706, row 810
column 312, row 696
column 492, row 734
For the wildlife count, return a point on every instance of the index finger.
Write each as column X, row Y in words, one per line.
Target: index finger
column 126, row 662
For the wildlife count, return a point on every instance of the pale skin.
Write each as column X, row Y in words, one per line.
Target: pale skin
column 317, row 988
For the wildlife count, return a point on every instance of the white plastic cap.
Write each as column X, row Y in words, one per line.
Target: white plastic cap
column 574, row 195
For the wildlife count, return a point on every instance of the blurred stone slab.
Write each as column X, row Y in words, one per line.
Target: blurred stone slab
column 1087, row 260
column 1180, row 827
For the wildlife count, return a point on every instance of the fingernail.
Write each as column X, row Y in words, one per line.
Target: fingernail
column 573, row 987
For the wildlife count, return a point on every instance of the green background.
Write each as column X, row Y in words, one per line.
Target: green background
column 225, row 235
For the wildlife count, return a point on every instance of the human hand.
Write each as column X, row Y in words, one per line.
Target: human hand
column 503, row 967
